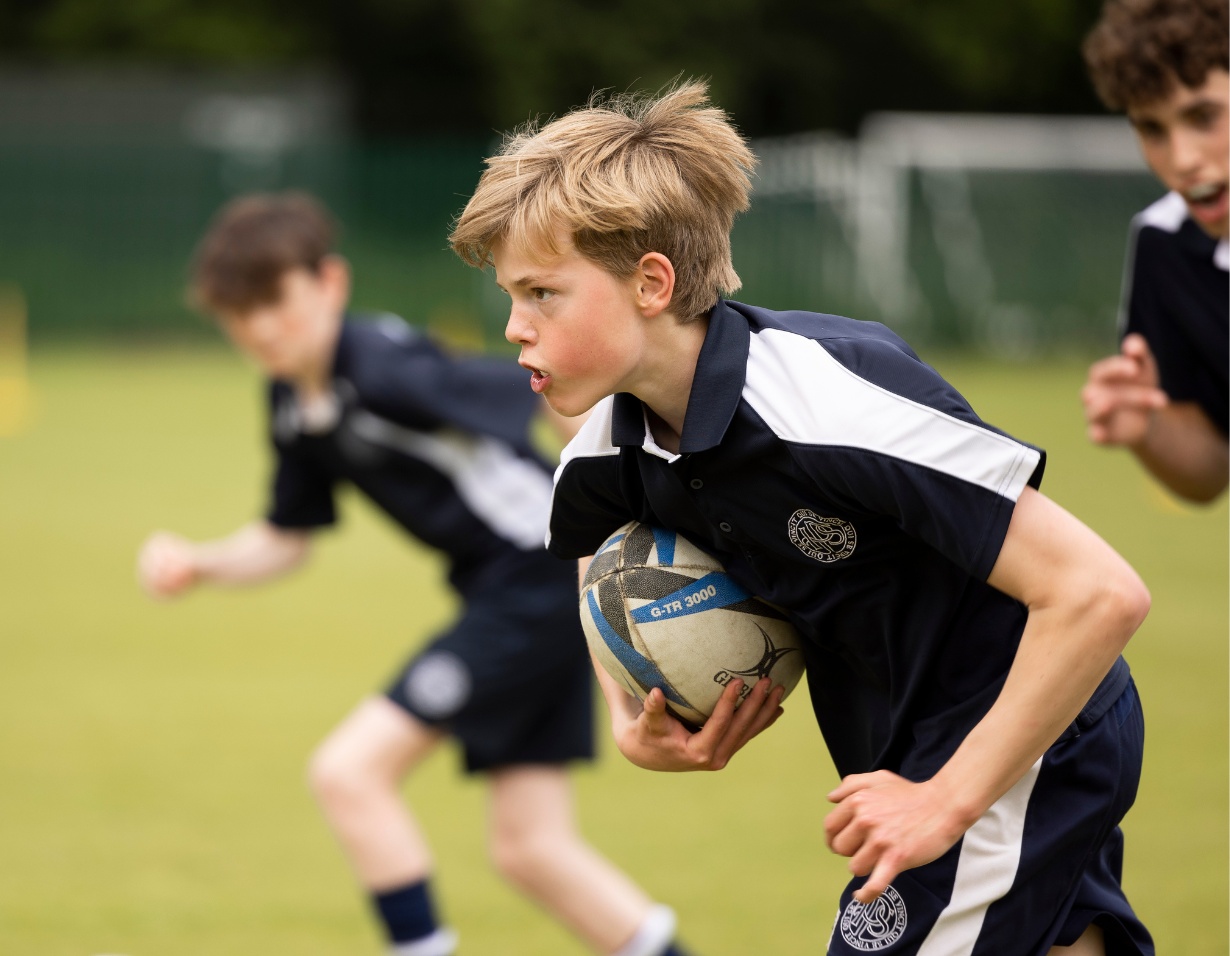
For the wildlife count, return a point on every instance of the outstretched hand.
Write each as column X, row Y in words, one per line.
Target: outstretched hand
column 1121, row 395
column 887, row 824
column 655, row 740
column 166, row 565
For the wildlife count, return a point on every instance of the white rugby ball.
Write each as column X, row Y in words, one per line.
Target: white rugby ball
column 660, row 612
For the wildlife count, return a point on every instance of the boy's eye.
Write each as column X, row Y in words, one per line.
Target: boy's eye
column 1204, row 117
column 1148, row 129
column 542, row 295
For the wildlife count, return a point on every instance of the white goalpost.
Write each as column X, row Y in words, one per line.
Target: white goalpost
column 913, row 186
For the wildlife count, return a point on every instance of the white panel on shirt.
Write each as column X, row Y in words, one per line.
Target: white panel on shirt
column 1167, row 213
column 593, row 440
column 512, row 495
column 808, row 397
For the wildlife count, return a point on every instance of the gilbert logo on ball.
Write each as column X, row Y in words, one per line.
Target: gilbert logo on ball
column 660, row 612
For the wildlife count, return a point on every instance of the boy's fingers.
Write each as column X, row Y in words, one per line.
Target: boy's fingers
column 877, row 883
column 654, row 709
column 723, row 713
column 768, row 714
column 1101, row 403
column 1116, row 368
column 856, row 782
column 1136, row 346
column 742, row 723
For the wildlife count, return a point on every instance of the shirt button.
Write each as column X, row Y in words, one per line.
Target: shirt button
column 696, row 484
column 725, row 526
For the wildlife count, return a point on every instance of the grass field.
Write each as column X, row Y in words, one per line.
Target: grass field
column 151, row 756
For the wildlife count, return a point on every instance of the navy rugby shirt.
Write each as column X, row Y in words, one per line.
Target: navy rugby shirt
column 838, row 476
column 1177, row 296
column 440, row 443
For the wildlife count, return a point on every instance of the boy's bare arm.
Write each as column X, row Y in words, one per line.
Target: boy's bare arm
column 651, row 738
column 1084, row 603
column 1186, row 452
column 169, row 564
column 1125, row 405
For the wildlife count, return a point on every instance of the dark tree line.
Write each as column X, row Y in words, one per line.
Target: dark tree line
column 430, row 66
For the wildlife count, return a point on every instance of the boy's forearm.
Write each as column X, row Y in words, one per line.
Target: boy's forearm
column 1084, row 604
column 1186, row 452
column 1054, row 675
column 257, row 552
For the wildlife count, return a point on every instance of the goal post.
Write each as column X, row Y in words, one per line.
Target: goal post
column 1001, row 232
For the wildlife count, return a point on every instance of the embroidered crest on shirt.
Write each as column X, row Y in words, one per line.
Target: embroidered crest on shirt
column 870, row 927
column 824, row 539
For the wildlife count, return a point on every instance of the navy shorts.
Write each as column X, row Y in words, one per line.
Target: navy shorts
column 512, row 678
column 1042, row 864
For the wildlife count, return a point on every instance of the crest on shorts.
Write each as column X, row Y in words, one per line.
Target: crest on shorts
column 870, row 927
column 824, row 539
column 438, row 685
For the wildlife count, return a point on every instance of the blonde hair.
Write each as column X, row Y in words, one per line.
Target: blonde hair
column 622, row 176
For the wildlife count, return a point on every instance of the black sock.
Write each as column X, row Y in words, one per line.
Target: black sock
column 406, row 912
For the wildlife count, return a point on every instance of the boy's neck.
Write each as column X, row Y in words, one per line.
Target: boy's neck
column 315, row 380
column 667, row 384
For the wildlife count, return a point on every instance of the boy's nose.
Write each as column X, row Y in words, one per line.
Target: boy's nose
column 517, row 331
column 1185, row 152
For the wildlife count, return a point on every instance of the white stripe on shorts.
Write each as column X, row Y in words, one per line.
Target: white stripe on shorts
column 986, row 867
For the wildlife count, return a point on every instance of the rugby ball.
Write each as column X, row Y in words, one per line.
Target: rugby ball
column 660, row 612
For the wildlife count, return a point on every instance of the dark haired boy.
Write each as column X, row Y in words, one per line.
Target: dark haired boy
column 1165, row 396
column 441, row 444
column 962, row 632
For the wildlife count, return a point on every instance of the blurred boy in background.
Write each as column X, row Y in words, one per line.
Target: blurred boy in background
column 442, row 444
column 1165, row 396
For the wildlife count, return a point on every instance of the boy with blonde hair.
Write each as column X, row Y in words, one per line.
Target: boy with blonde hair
column 963, row 633
column 442, row 444
column 1166, row 395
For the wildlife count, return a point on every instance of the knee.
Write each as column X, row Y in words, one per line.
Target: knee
column 335, row 777
column 520, row 854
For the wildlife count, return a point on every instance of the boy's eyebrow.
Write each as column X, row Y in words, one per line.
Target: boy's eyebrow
column 526, row 281
column 1199, row 105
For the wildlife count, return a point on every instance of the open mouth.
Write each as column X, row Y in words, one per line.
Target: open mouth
column 1207, row 201
column 538, row 378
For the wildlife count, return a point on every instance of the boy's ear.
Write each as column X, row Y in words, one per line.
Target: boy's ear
column 655, row 284
column 335, row 274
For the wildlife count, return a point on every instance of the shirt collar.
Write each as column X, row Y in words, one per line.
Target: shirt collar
column 1221, row 255
column 717, row 386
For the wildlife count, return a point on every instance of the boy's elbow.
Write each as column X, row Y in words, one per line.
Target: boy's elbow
column 1125, row 602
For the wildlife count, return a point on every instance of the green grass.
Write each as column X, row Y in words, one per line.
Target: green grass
column 151, row 755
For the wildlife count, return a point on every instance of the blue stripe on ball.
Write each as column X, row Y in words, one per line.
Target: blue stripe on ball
column 644, row 671
column 726, row 592
column 610, row 542
column 665, row 542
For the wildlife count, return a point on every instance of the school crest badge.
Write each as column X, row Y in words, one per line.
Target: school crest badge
column 823, row 539
column 871, row 927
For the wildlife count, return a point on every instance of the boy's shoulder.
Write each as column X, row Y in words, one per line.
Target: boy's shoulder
column 1165, row 229
column 794, row 341
column 835, row 381
column 815, row 325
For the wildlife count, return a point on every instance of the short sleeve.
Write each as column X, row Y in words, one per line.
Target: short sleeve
column 301, row 495
column 881, row 433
